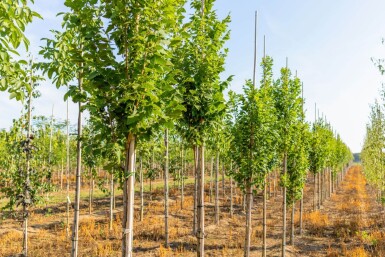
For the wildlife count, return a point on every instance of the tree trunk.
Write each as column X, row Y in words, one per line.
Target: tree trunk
column 196, row 167
column 182, row 181
column 128, row 198
column 223, row 182
column 264, row 223
column 68, row 174
column 201, row 204
column 75, row 229
column 249, row 202
column 231, row 193
column 292, row 224
column 319, row 190
column 301, row 213
column 111, row 199
column 217, row 190
column 141, row 188
column 315, row 191
column 284, row 208
column 27, row 195
column 211, row 179
column 91, row 191
column 166, row 187
column 61, row 175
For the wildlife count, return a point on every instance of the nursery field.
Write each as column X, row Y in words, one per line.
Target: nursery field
column 349, row 223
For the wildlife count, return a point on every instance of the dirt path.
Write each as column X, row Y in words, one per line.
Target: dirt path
column 348, row 224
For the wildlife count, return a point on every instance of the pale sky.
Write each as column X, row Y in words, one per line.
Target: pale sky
column 330, row 44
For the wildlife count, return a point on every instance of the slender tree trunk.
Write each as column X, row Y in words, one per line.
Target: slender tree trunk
column 182, row 181
column 91, row 190
column 201, row 204
column 128, row 198
column 27, row 195
column 68, row 174
column 61, row 174
column 223, row 182
column 264, row 223
column 217, row 190
column 196, row 167
column 249, row 202
column 301, row 213
column 211, row 179
column 166, row 187
column 111, row 199
column 319, row 190
column 315, row 191
column 141, row 188
column 292, row 224
column 284, row 208
column 75, row 230
column 330, row 182
column 231, row 193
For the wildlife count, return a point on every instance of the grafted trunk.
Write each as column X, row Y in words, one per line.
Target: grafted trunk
column 128, row 198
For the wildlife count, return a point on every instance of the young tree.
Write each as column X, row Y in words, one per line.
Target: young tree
column 200, row 58
column 288, row 106
column 254, row 140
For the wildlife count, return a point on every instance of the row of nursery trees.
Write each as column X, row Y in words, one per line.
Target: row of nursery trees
column 150, row 81
column 372, row 153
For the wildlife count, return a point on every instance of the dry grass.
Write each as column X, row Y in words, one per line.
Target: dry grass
column 316, row 222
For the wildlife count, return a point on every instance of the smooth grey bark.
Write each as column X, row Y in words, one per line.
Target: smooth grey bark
column 128, row 198
column 68, row 173
column 27, row 196
column 75, row 229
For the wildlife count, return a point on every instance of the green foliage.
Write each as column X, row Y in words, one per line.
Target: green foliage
column 255, row 131
column 200, row 58
column 15, row 15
